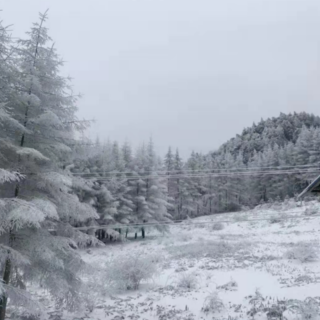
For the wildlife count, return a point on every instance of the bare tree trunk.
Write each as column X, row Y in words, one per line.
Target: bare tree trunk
column 4, row 298
column 6, row 280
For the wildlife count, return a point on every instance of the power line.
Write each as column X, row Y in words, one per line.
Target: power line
column 230, row 174
column 246, row 173
column 204, row 170
column 183, row 223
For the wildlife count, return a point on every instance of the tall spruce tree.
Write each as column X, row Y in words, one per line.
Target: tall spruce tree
column 41, row 113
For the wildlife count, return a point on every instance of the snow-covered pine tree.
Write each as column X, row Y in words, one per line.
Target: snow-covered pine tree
column 122, row 189
column 304, row 150
column 178, row 186
column 169, row 161
column 303, row 146
column 138, row 187
column 171, row 182
column 156, row 189
column 190, row 188
column 7, row 123
column 127, row 205
column 274, row 183
column 315, row 149
column 239, row 183
column 37, row 129
column 208, row 183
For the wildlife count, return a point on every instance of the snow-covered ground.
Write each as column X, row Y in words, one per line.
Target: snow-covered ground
column 250, row 269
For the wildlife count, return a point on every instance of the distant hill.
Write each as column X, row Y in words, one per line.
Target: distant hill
column 268, row 133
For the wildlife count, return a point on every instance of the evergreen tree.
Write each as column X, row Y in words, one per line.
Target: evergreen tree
column 39, row 107
column 171, row 183
column 169, row 161
column 303, row 146
column 176, row 191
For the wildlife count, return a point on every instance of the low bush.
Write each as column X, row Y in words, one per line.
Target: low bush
column 217, row 226
column 127, row 271
column 187, row 280
column 230, row 286
column 311, row 210
column 308, row 309
column 213, row 304
column 275, row 220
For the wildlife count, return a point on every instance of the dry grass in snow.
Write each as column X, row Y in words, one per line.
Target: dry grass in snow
column 235, row 270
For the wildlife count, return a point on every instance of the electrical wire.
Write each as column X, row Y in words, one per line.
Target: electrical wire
column 246, row 173
column 185, row 223
column 317, row 165
column 186, row 176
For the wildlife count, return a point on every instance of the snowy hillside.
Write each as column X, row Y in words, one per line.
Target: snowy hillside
column 216, row 267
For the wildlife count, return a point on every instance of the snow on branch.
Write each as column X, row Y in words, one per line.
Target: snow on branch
column 80, row 238
column 15, row 256
column 6, row 118
column 47, row 207
column 48, row 119
column 55, row 179
column 21, row 299
column 32, row 154
column 71, row 208
column 7, row 176
column 19, row 214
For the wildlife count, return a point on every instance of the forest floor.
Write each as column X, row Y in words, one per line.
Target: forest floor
column 259, row 269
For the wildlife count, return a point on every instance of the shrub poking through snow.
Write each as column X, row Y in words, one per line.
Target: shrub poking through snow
column 170, row 312
column 213, row 304
column 230, row 286
column 187, row 280
column 275, row 219
column 311, row 210
column 304, row 252
column 307, row 310
column 128, row 270
column 184, row 237
column 217, row 226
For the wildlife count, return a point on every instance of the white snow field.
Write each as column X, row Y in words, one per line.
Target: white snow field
column 267, row 268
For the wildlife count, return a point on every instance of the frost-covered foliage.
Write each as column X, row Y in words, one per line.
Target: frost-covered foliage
column 217, row 226
column 304, row 252
column 126, row 188
column 80, row 239
column 37, row 127
column 213, row 304
column 187, row 280
column 270, row 308
column 285, row 141
column 138, row 187
column 312, row 210
column 309, row 309
column 7, row 176
column 127, row 271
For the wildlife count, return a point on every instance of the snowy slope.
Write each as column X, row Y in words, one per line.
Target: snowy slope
column 253, row 255
column 256, row 268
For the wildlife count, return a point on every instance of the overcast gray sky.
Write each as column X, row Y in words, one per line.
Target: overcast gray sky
column 191, row 73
